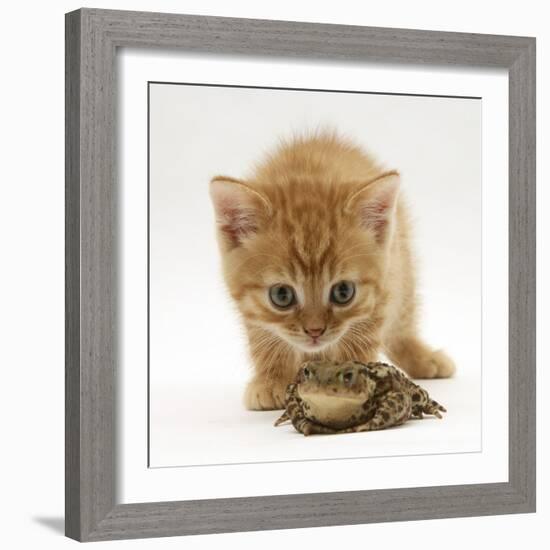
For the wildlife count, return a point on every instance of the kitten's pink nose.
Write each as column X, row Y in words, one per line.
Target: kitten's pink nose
column 314, row 332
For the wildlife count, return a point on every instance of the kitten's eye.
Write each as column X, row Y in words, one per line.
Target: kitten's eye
column 306, row 372
column 342, row 293
column 282, row 296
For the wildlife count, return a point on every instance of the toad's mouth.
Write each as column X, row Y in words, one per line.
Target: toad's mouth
column 331, row 401
column 331, row 410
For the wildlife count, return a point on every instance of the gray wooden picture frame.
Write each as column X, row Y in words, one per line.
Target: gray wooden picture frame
column 92, row 39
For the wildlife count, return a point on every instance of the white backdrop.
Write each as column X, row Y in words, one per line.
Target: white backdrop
column 198, row 360
column 32, row 240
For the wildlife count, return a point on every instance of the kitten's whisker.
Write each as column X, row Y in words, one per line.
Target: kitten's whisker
column 275, row 352
column 362, row 336
column 263, row 342
column 350, row 351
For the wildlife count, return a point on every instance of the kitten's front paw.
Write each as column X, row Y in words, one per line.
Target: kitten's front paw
column 264, row 396
column 445, row 365
column 437, row 365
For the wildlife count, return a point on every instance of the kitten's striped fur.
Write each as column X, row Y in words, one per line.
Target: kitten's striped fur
column 317, row 211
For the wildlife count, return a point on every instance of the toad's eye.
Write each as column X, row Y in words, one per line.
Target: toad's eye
column 342, row 293
column 347, row 377
column 282, row 296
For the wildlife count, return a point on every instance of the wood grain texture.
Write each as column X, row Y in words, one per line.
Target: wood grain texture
column 72, row 276
column 92, row 37
column 522, row 274
column 91, row 284
column 254, row 37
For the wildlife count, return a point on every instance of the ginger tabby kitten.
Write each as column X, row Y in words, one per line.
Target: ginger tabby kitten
column 316, row 253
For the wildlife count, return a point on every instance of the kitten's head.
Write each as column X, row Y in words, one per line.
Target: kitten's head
column 305, row 260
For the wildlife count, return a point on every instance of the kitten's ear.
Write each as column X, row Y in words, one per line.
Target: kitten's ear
column 239, row 209
column 375, row 201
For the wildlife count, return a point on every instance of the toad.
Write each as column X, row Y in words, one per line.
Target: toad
column 330, row 397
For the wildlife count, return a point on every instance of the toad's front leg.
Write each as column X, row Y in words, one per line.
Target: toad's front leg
column 307, row 427
column 394, row 408
column 294, row 413
column 303, row 424
column 293, row 405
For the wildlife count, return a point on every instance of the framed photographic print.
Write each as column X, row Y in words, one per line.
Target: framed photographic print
column 276, row 230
